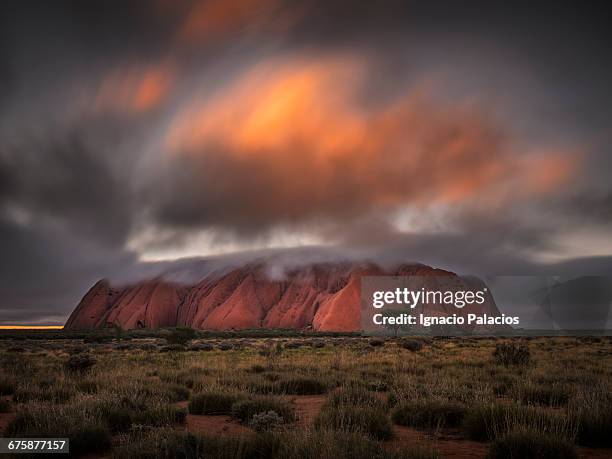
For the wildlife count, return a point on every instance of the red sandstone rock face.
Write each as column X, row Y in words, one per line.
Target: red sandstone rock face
column 323, row 296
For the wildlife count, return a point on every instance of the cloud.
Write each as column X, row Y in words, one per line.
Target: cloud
column 292, row 141
column 134, row 89
column 66, row 181
column 212, row 19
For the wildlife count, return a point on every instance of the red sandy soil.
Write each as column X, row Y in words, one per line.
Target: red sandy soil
column 592, row 453
column 215, row 425
column 307, row 408
column 446, row 443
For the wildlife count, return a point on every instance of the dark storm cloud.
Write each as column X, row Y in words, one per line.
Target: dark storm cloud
column 595, row 207
column 45, row 270
column 69, row 182
column 92, row 93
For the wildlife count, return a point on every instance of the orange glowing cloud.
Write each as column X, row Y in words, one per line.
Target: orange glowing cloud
column 294, row 139
column 274, row 108
column 548, row 172
column 135, row 89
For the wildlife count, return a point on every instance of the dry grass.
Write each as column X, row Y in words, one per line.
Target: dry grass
column 128, row 399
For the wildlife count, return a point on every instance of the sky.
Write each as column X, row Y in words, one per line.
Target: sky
column 138, row 137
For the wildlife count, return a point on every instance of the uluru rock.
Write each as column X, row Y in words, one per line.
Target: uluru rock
column 319, row 296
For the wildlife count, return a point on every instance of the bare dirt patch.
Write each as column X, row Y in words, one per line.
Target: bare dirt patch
column 215, row 425
column 593, row 453
column 307, row 408
column 447, row 444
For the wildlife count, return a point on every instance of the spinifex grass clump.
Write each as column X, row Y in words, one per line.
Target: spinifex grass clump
column 511, row 354
column 411, row 345
column 592, row 412
column 355, row 409
column 244, row 410
column 302, row 386
column 531, row 445
column 354, row 396
column 87, row 434
column 79, row 363
column 214, row 402
column 489, row 421
column 367, row 420
column 429, row 414
column 60, row 392
column 555, row 394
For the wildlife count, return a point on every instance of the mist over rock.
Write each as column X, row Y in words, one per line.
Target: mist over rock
column 320, row 296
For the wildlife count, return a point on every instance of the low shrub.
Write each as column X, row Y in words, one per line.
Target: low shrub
column 181, row 336
column 429, row 414
column 266, row 421
column 507, row 354
column 302, row 386
column 214, row 402
column 531, row 445
column 411, row 345
column 79, row 363
column 244, row 410
column 375, row 342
